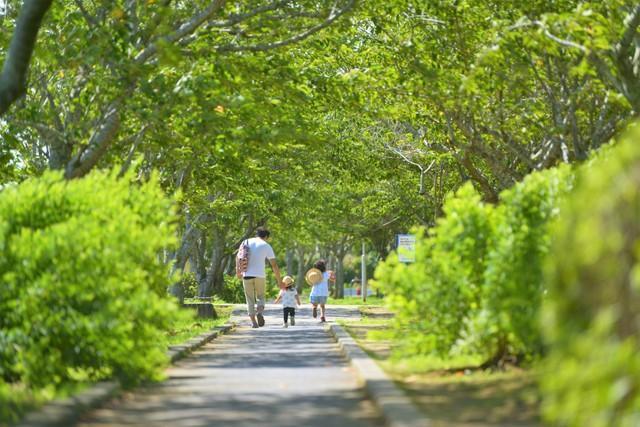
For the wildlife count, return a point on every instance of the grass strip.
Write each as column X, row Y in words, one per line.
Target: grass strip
column 446, row 389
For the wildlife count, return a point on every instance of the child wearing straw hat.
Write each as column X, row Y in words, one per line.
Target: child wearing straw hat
column 289, row 297
column 318, row 277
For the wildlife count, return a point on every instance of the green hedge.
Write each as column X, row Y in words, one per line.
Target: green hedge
column 592, row 315
column 433, row 296
column 507, row 324
column 83, row 293
column 476, row 285
column 233, row 291
column 189, row 285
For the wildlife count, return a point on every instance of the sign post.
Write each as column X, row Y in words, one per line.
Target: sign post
column 363, row 267
column 406, row 247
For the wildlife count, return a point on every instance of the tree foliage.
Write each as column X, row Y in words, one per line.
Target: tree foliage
column 337, row 123
column 84, row 291
column 476, row 286
column 591, row 314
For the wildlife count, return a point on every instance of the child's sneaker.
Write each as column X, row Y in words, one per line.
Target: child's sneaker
column 285, row 325
column 260, row 318
column 293, row 321
column 315, row 312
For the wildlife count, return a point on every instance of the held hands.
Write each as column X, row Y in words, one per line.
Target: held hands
column 332, row 275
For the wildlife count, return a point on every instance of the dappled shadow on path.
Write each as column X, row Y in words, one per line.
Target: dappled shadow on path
column 272, row 348
column 340, row 408
column 269, row 377
column 273, row 313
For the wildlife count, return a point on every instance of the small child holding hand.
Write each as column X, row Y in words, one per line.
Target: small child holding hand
column 289, row 297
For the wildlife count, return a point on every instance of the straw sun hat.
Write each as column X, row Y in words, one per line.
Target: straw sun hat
column 313, row 276
column 287, row 280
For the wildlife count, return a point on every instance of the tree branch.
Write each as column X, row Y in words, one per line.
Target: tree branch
column 261, row 47
column 465, row 161
column 404, row 157
column 631, row 27
column 235, row 19
column 105, row 135
column 13, row 80
column 86, row 159
column 90, row 20
column 184, row 30
column 137, row 139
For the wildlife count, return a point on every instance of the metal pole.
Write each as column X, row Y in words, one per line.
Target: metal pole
column 363, row 267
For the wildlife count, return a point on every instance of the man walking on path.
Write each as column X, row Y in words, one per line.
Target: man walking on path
column 254, row 278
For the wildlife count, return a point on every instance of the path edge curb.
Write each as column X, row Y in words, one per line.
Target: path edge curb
column 67, row 411
column 396, row 407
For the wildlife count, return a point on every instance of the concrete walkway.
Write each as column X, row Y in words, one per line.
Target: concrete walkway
column 254, row 377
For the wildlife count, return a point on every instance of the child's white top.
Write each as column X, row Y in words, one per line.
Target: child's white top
column 322, row 288
column 289, row 297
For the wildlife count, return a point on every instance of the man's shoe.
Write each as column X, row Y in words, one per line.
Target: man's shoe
column 315, row 312
column 293, row 321
column 260, row 318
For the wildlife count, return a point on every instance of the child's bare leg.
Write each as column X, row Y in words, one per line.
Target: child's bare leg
column 322, row 311
column 315, row 310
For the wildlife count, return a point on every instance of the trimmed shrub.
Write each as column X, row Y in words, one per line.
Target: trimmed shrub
column 189, row 285
column 507, row 323
column 433, row 296
column 477, row 283
column 233, row 291
column 592, row 315
column 83, row 293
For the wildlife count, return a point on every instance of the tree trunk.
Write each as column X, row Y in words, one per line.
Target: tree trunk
column 181, row 256
column 199, row 262
column 60, row 153
column 301, row 269
column 331, row 263
column 289, row 261
column 204, row 310
column 214, row 278
column 340, row 254
column 339, row 279
column 229, row 265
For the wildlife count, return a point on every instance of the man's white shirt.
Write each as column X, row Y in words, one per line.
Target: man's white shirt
column 259, row 252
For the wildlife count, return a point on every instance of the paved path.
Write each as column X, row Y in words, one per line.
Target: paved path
column 253, row 377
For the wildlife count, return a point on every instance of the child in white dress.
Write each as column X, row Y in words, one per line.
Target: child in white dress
column 289, row 297
column 320, row 290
